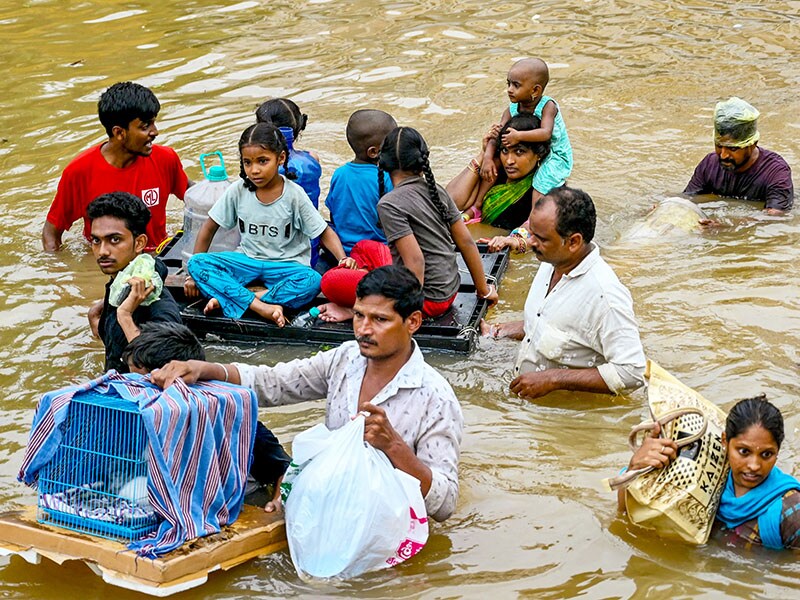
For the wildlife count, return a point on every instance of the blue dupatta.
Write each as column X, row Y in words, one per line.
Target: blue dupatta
column 764, row 502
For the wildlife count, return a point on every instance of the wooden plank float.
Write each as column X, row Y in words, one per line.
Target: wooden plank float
column 255, row 533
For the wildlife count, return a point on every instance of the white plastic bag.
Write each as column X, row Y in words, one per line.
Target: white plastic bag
column 348, row 510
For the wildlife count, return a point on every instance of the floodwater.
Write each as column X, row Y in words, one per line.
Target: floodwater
column 636, row 81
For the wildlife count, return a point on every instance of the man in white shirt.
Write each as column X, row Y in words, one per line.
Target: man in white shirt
column 579, row 332
column 414, row 416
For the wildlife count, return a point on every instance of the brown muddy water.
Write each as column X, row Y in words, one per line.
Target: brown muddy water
column 636, row 81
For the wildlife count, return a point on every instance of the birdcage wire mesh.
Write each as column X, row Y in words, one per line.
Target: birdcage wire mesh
column 96, row 482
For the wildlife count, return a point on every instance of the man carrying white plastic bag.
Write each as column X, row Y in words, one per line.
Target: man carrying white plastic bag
column 413, row 415
column 350, row 511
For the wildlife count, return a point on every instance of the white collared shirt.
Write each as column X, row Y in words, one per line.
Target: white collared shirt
column 419, row 403
column 586, row 321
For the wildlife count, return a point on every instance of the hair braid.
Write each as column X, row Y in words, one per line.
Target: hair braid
column 433, row 191
column 381, row 182
column 281, row 139
column 246, row 140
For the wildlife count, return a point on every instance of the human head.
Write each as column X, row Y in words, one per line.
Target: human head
column 387, row 312
column 270, row 138
column 562, row 225
column 754, row 411
column 159, row 343
column 753, row 437
column 527, row 79
column 282, row 112
column 735, row 134
column 404, row 149
column 575, row 212
column 366, row 130
column 118, row 224
column 523, row 122
column 125, row 102
column 396, row 283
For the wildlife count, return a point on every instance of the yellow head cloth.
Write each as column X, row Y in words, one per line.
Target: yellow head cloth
column 737, row 122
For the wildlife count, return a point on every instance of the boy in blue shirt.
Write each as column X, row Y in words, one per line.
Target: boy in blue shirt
column 353, row 195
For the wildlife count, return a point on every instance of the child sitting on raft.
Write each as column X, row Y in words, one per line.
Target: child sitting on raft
column 526, row 82
column 287, row 116
column 353, row 194
column 507, row 202
column 277, row 222
column 423, row 227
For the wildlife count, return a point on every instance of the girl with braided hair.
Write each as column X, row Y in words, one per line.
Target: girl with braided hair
column 423, row 227
column 422, row 224
column 277, row 222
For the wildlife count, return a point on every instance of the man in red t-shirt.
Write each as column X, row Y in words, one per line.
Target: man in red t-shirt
column 127, row 162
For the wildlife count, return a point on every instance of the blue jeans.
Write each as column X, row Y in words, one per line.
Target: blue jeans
column 224, row 275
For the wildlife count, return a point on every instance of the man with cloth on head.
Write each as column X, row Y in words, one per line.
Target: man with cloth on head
column 579, row 332
column 414, row 416
column 738, row 168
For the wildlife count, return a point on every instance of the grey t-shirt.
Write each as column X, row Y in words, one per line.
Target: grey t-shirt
column 408, row 209
column 280, row 231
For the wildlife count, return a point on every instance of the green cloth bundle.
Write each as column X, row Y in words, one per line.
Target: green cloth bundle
column 144, row 267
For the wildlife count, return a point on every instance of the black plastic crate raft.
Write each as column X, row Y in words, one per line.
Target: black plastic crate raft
column 96, row 482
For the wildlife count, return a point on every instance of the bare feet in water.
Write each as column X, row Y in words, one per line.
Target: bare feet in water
column 333, row 313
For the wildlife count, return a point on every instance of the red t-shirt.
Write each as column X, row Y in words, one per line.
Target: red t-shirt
column 152, row 178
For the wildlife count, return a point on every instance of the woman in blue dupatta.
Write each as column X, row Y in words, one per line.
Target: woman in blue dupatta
column 760, row 503
column 505, row 203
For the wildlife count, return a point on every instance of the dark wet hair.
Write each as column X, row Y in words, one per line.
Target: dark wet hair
column 282, row 112
column 160, row 342
column 121, row 205
column 396, row 283
column 404, row 149
column 754, row 411
column 366, row 128
column 575, row 212
column 123, row 102
column 525, row 121
column 269, row 137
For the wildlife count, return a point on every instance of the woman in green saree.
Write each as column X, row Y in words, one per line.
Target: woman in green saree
column 505, row 203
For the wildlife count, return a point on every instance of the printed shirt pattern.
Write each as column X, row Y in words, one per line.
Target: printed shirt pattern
column 419, row 403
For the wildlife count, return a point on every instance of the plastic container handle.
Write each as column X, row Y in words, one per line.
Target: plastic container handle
column 203, row 162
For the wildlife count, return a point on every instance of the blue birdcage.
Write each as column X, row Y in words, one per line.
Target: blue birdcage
column 96, row 482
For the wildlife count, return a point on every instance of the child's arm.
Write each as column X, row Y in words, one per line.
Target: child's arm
column 466, row 245
column 488, row 168
column 201, row 244
column 542, row 134
column 331, row 241
column 409, row 250
column 205, row 236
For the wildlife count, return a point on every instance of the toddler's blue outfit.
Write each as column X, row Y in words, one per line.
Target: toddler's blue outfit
column 557, row 167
